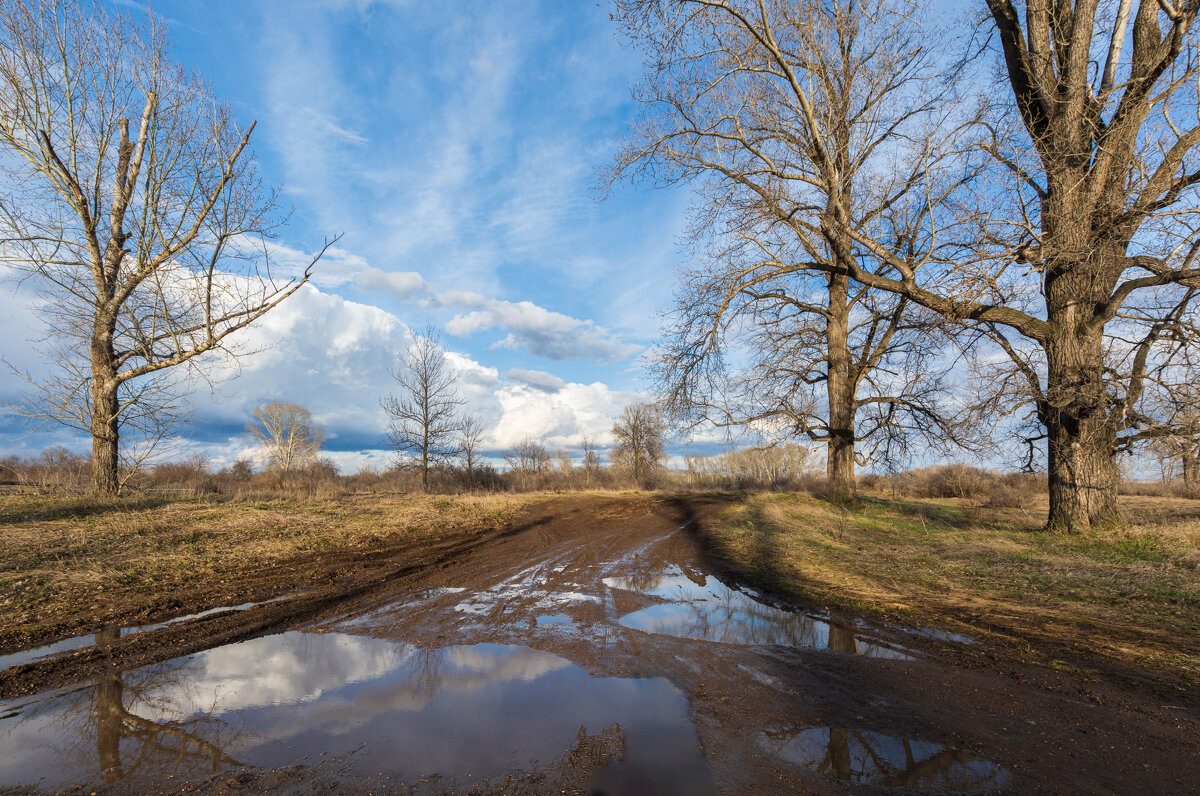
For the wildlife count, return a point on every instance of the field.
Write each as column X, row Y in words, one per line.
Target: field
column 71, row 563
column 1128, row 595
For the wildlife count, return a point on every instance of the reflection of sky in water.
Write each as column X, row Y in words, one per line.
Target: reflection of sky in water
column 706, row 609
column 876, row 759
column 479, row 710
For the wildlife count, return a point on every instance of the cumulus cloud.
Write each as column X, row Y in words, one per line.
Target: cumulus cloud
column 537, row 379
column 401, row 284
column 558, row 419
column 544, row 333
column 530, row 327
column 333, row 356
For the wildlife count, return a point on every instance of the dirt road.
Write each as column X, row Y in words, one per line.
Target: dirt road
column 590, row 648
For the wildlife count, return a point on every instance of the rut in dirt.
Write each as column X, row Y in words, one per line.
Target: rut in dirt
column 594, row 651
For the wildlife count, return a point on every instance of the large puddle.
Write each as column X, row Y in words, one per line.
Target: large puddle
column 701, row 607
column 463, row 712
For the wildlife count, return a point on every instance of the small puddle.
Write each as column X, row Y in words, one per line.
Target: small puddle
column 871, row 758
column 464, row 712
column 35, row 654
column 703, row 608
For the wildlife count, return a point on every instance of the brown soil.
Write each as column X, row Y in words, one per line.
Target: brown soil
column 1054, row 730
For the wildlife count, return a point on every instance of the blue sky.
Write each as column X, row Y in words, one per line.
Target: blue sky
column 454, row 144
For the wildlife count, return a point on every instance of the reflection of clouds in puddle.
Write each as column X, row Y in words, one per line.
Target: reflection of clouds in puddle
column 273, row 670
column 703, row 608
column 864, row 757
column 466, row 712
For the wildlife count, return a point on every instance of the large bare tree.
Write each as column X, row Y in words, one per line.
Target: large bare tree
column 1088, row 251
column 288, row 435
column 132, row 203
column 423, row 423
column 1079, row 264
column 799, row 121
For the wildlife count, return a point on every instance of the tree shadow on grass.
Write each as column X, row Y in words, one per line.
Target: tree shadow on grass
column 78, row 508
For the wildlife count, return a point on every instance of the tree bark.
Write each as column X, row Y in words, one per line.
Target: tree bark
column 1081, row 432
column 105, row 415
column 839, row 448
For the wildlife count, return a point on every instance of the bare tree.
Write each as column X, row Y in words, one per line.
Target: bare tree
column 1080, row 262
column 640, row 441
column 1102, row 214
column 470, row 438
column 528, row 458
column 741, row 96
column 287, row 433
column 592, row 465
column 146, row 244
column 423, row 423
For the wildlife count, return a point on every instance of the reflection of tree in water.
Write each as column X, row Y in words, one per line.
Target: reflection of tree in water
column 841, row 633
column 870, row 757
column 128, row 744
column 735, row 618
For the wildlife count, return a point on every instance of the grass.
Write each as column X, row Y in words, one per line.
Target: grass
column 65, row 559
column 1131, row 593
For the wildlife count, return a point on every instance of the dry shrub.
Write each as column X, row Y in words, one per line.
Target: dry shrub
column 987, row 487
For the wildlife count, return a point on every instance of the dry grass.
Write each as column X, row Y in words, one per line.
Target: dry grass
column 1131, row 593
column 63, row 559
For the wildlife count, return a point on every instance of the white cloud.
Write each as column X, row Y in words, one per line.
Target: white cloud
column 333, row 355
column 537, row 379
column 559, row 419
column 402, row 284
column 542, row 332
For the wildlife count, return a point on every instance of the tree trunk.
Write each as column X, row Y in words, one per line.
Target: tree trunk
column 1081, row 434
column 839, row 449
column 105, row 419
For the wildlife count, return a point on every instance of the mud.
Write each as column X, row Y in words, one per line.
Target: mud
column 591, row 648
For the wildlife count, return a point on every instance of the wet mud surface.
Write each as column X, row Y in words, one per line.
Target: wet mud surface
column 590, row 649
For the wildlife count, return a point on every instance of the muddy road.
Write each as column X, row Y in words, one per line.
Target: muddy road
column 589, row 649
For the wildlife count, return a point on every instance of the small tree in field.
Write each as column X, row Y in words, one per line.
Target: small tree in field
column 640, row 434
column 591, row 459
column 288, row 434
column 470, row 438
column 423, row 424
column 132, row 206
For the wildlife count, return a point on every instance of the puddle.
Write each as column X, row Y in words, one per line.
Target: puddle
column 34, row 654
column 464, row 712
column 703, row 608
column 944, row 635
column 559, row 620
column 872, row 758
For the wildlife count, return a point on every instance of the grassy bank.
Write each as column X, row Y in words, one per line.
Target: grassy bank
column 1131, row 594
column 66, row 562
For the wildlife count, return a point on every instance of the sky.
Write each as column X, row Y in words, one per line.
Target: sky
column 454, row 146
